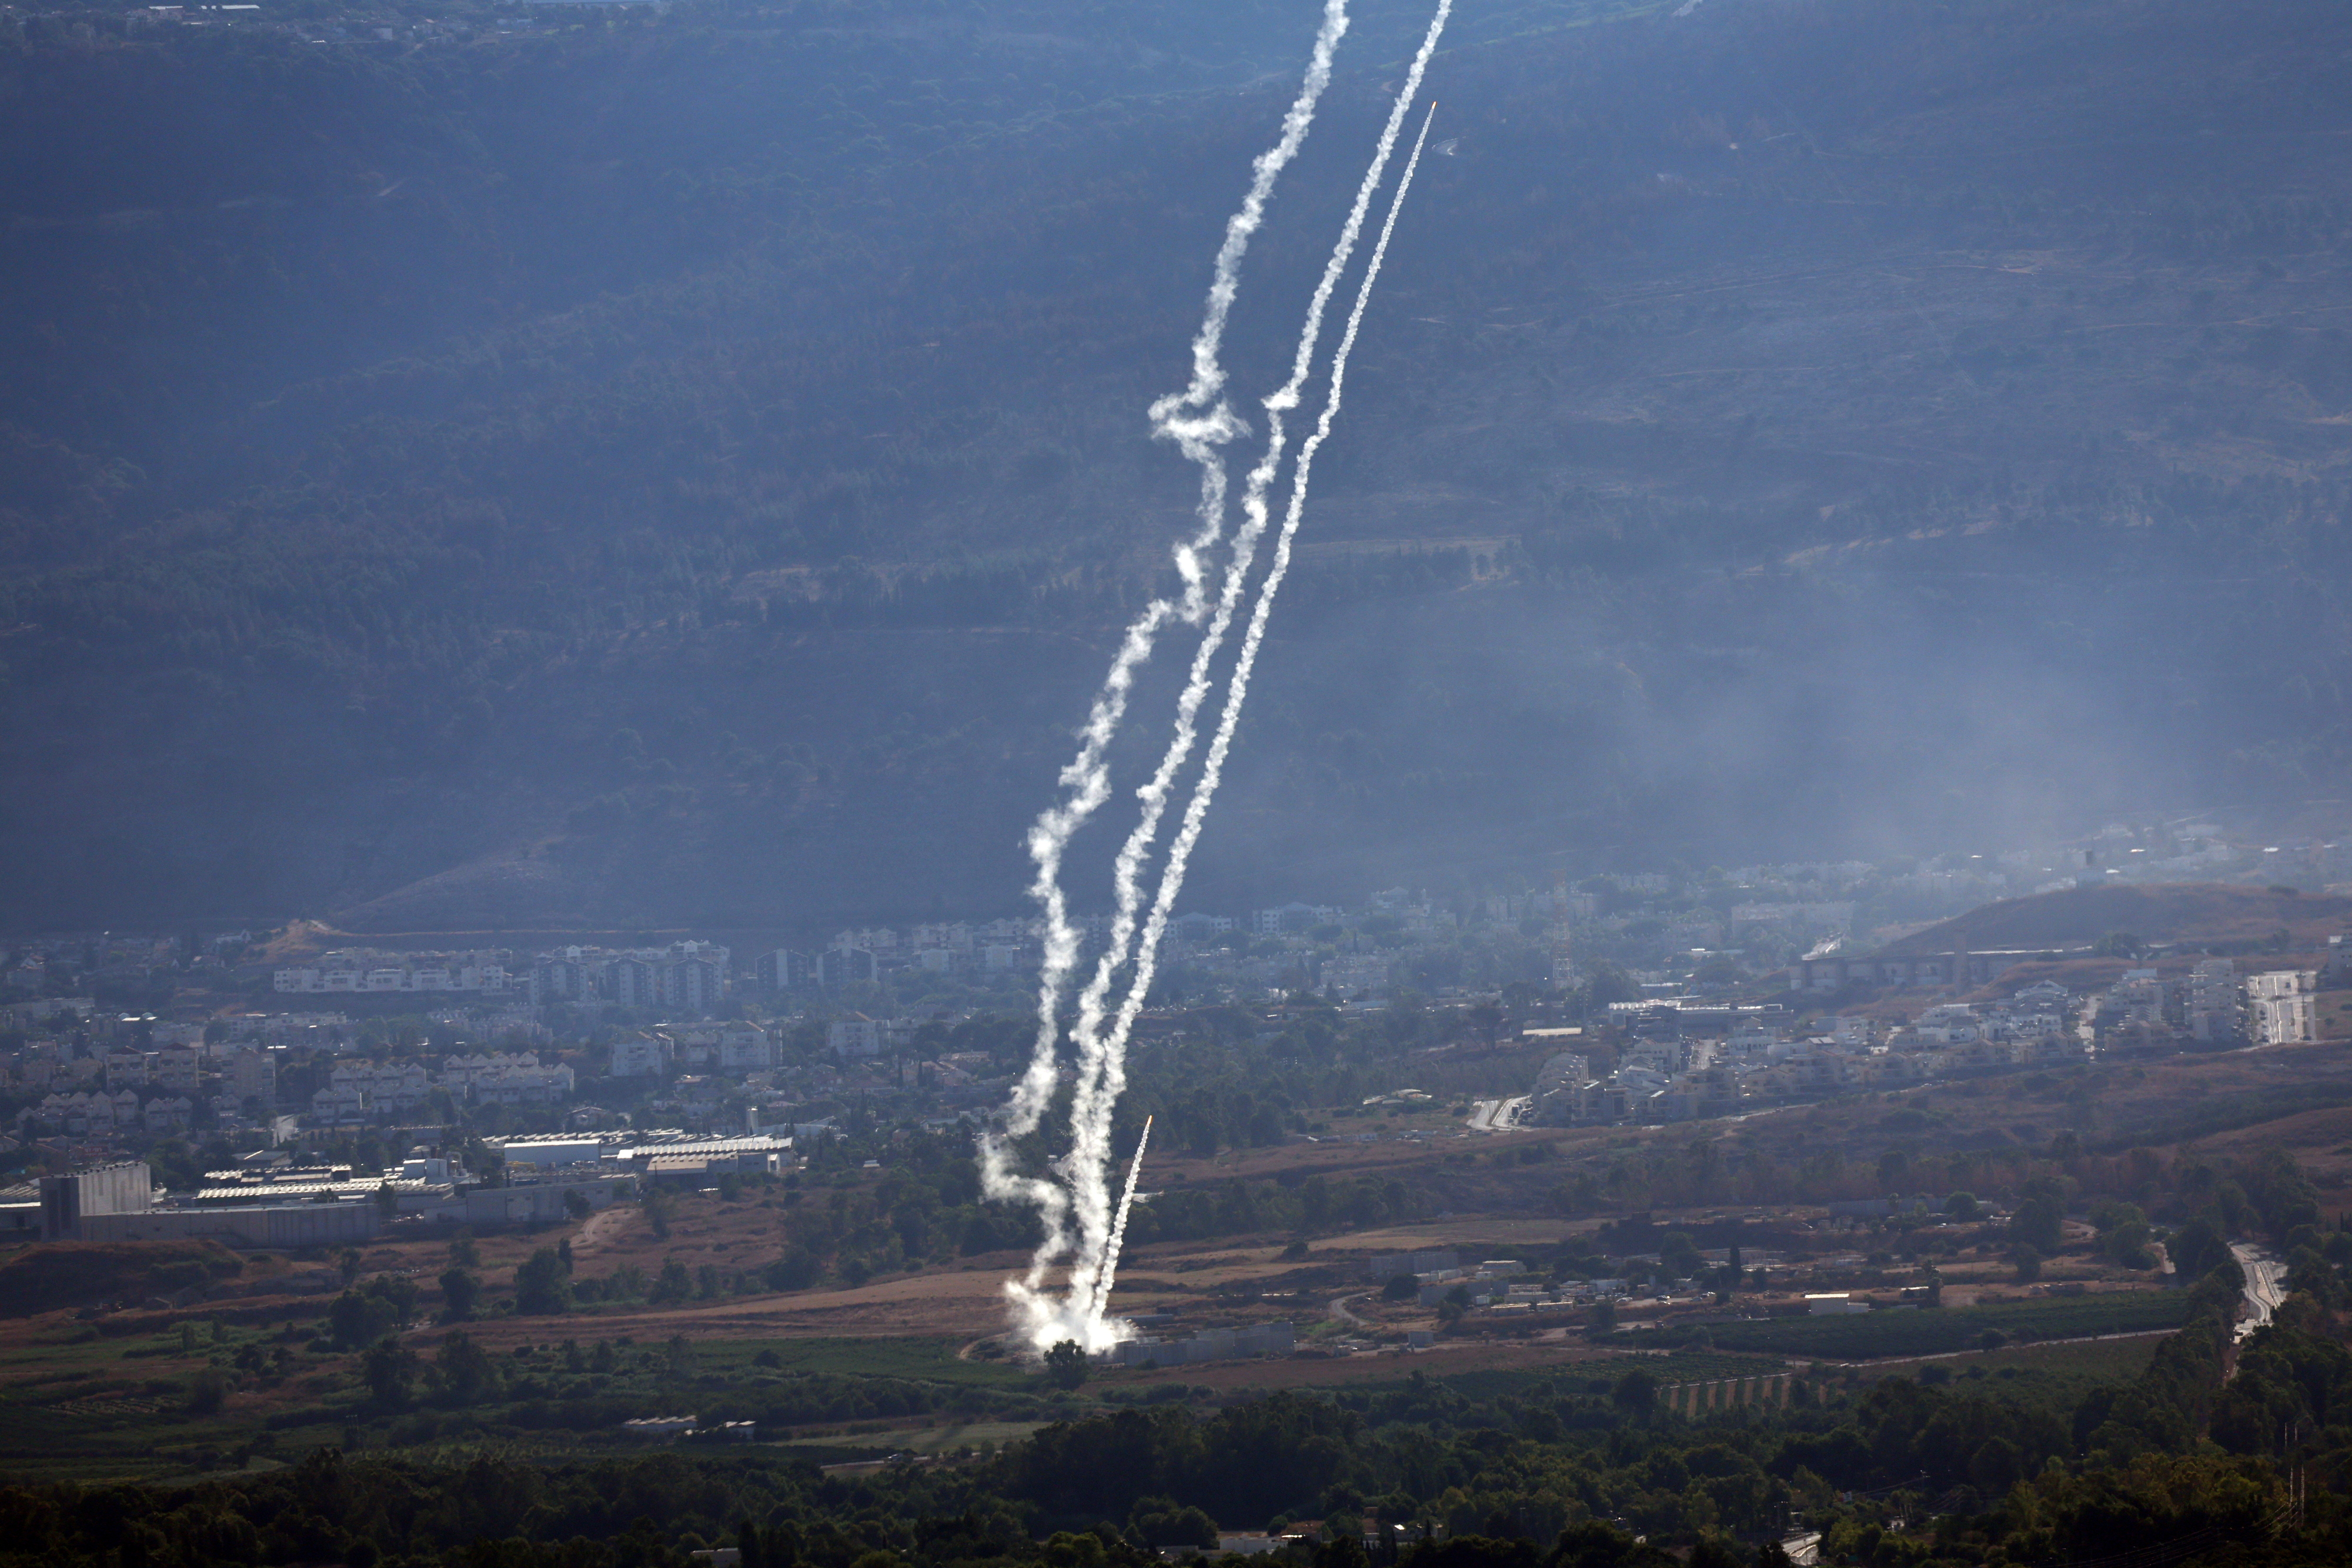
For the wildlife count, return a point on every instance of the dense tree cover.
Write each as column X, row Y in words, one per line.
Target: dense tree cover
column 1559, row 1471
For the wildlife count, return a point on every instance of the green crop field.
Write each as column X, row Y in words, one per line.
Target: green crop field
column 914, row 1360
column 1936, row 1330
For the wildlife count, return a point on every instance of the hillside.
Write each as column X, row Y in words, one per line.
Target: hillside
column 690, row 468
column 55, row 1274
column 2167, row 912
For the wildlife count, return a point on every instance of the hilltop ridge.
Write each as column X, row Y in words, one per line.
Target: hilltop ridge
column 553, row 489
column 2158, row 911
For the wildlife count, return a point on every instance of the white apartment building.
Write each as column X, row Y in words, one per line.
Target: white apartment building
column 524, row 1086
column 396, row 1086
column 646, row 1056
column 858, row 1035
column 361, row 971
column 2282, row 1007
column 460, row 1073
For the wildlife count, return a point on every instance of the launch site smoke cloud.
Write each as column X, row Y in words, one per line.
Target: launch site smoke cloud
column 1200, row 420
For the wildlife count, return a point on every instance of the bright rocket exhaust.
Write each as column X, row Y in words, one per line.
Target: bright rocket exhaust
column 1200, row 421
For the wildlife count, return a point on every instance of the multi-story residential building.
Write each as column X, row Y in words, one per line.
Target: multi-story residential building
column 645, row 1056
column 461, row 1073
column 253, row 1075
column 838, row 966
column 785, row 969
column 340, row 1105
column 1292, row 918
column 2281, row 1007
column 1353, row 978
column 178, row 1069
column 97, row 1114
column 361, row 970
column 395, row 1086
column 635, row 982
column 745, row 1048
column 858, row 1035
column 524, row 1086
column 733, row 1046
column 694, row 980
column 1195, row 929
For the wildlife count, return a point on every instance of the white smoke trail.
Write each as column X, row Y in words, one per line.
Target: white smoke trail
column 1199, row 421
column 1095, row 1309
column 1102, row 1066
column 1205, row 788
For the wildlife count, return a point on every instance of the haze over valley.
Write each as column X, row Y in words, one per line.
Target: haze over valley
column 650, row 472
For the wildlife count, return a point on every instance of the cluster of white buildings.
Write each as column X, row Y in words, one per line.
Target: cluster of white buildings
column 361, row 1091
column 731, row 1047
column 1209, row 1344
column 1664, row 1074
column 364, row 971
column 101, row 1115
column 687, row 977
column 2214, row 1005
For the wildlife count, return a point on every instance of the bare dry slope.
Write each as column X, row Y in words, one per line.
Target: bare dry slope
column 2164, row 912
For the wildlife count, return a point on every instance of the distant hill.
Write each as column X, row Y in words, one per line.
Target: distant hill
column 2164, row 912
column 691, row 468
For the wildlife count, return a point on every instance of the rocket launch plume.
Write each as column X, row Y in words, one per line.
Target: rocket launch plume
column 1100, row 1304
column 1102, row 1058
column 1200, row 421
column 1205, row 788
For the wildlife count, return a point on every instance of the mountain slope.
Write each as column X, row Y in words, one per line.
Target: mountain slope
column 2170, row 912
column 590, row 483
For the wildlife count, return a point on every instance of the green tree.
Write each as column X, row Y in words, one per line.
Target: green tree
column 2198, row 1248
column 1066, row 1365
column 1401, row 1288
column 461, row 1296
column 389, row 1369
column 797, row 1270
column 1608, row 984
column 2039, row 1224
column 468, row 1375
column 543, row 1285
column 675, row 1284
column 360, row 1318
column 207, row 1392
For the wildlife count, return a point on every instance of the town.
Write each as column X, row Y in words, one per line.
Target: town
column 285, row 1078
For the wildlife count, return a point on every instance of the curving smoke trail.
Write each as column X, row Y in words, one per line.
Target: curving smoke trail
column 1205, row 788
column 1200, row 422
column 1101, row 1070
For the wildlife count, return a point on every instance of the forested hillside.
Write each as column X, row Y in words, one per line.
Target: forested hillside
column 690, row 466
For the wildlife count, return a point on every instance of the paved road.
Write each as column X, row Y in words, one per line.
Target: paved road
column 2265, row 1285
column 1339, row 1310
